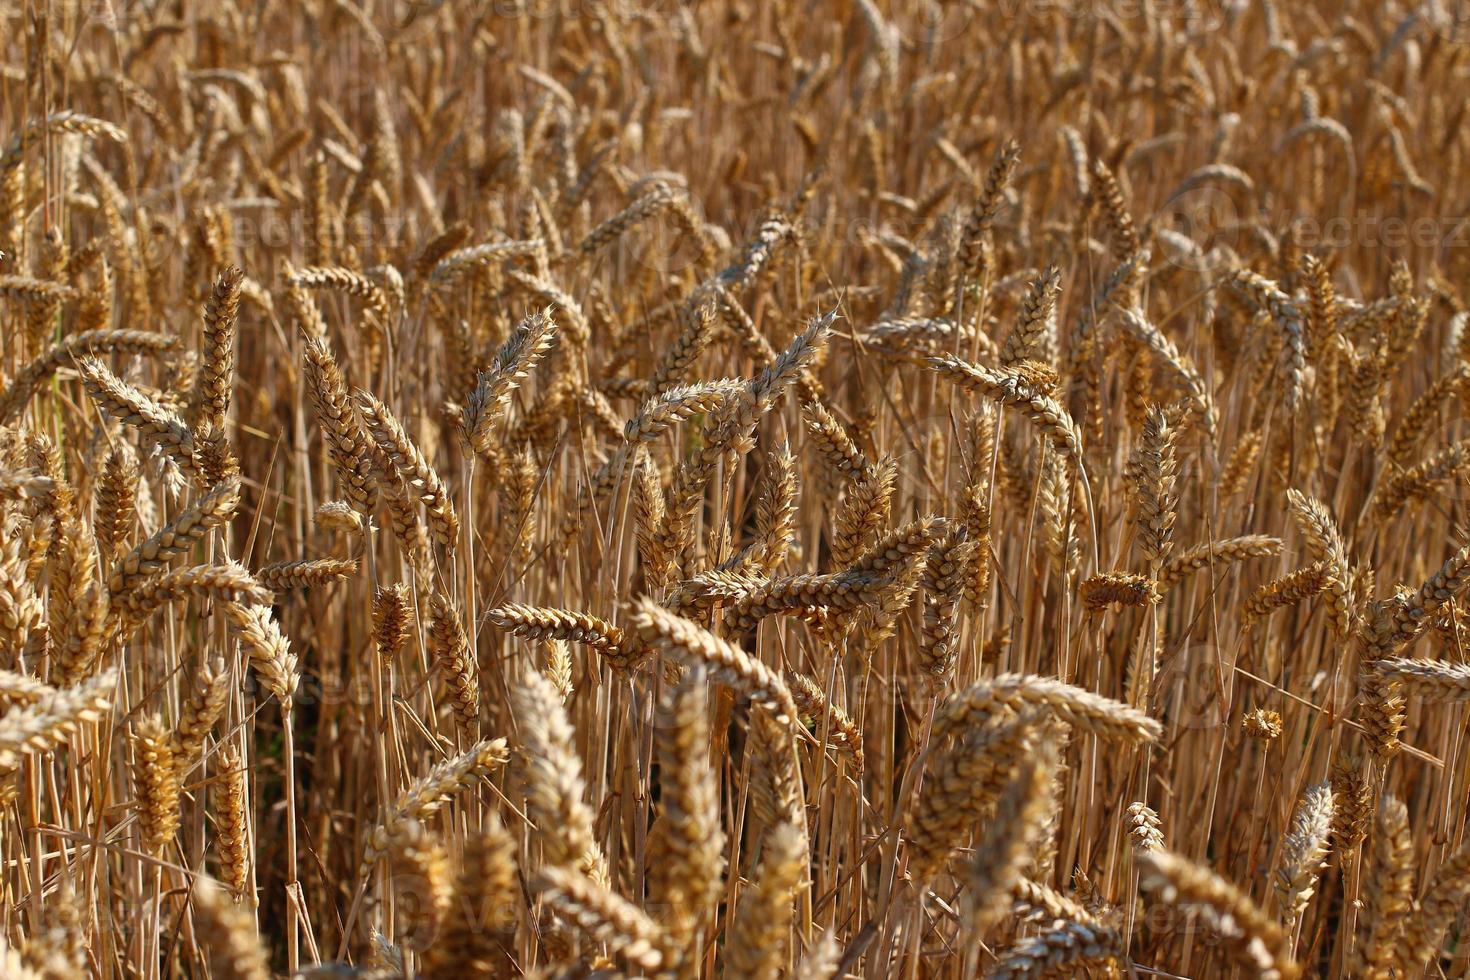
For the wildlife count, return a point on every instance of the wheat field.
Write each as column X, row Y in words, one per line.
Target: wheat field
column 868, row 489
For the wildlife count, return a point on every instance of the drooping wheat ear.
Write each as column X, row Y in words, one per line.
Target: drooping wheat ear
column 1422, row 481
column 1009, row 840
column 960, row 789
column 1105, row 589
column 392, row 620
column 217, row 365
column 1249, row 936
column 429, row 792
column 410, row 466
column 160, row 427
column 1211, row 553
column 51, row 719
column 342, row 280
column 1304, row 583
column 758, row 942
column 1443, row 900
column 687, row 854
column 1420, row 417
column 348, row 443
column 1074, row 705
column 29, row 378
column 1065, row 946
column 545, row 623
column 677, row 403
column 231, row 828
column 864, row 511
column 1323, row 538
column 198, row 714
column 456, row 263
column 1388, row 893
column 449, row 649
column 690, row 643
column 553, row 772
column 1432, row 680
column 835, row 446
column 156, row 783
column 1287, row 315
column 280, row 576
column 175, row 538
column 267, row 648
column 1145, row 829
column 575, row 325
column 517, row 357
column 226, row 583
column 115, row 500
column 601, row 915
column 1382, row 709
column 1304, row 853
column 420, row 876
column 227, row 933
column 805, row 595
column 1009, row 390
column 478, row 935
column 812, row 702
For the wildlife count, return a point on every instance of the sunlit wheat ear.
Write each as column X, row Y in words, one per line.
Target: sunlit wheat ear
column 601, row 915
column 280, row 576
column 449, row 649
column 1304, row 853
column 410, row 466
column 267, row 648
column 348, row 443
column 176, row 538
column 1250, row 937
column 198, row 714
column 160, row 427
column 691, row 643
column 428, row 794
column 1324, row 540
column 544, row 623
column 231, row 831
column 51, row 719
column 556, row 790
column 156, row 783
column 1076, row 706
